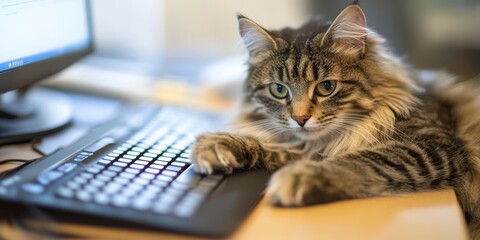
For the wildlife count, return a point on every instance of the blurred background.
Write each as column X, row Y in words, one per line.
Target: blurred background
column 190, row 53
column 180, row 37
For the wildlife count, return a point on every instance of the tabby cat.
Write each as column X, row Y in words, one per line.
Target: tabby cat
column 336, row 116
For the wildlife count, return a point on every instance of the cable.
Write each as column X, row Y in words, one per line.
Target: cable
column 25, row 162
column 15, row 160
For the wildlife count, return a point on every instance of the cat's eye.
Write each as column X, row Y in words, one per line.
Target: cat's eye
column 278, row 90
column 325, row 88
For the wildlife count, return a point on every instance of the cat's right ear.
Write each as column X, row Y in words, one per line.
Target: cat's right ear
column 348, row 32
column 257, row 40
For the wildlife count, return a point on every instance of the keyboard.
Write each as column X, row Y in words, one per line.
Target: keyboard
column 139, row 172
column 150, row 171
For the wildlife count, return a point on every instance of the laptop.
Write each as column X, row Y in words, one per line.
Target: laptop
column 133, row 170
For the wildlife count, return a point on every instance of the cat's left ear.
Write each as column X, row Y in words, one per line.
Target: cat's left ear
column 257, row 39
column 348, row 32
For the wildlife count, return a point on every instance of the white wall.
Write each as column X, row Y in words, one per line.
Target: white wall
column 149, row 29
column 131, row 29
column 211, row 25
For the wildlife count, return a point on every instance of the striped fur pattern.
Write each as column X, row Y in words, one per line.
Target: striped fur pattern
column 380, row 132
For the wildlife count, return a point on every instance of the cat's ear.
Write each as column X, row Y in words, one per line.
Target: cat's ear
column 348, row 32
column 257, row 40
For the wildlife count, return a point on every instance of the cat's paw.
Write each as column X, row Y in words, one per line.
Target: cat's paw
column 216, row 153
column 302, row 183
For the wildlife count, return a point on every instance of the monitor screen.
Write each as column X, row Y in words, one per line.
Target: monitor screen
column 32, row 31
column 39, row 38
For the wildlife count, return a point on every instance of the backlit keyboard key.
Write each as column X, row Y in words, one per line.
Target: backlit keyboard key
column 142, row 204
column 152, row 170
column 156, row 166
column 141, row 181
column 169, row 173
column 115, row 168
column 154, row 151
column 129, row 157
column 93, row 170
column 146, row 158
column 125, row 160
column 150, row 155
column 83, row 196
column 174, row 192
column 120, row 201
column 163, row 158
column 169, row 155
column 123, row 149
column 80, row 180
column 178, row 164
column 183, row 211
column 109, row 173
column 182, row 159
column 65, row 192
column 141, row 162
column 86, row 175
column 117, row 151
column 127, row 175
column 164, row 178
column 122, row 181
column 104, row 162
column 147, row 176
column 133, row 153
column 103, row 178
column 112, row 187
column 132, row 170
column 102, row 199
column 73, row 185
column 91, row 188
column 173, row 151
column 160, row 183
column 137, row 166
column 120, row 164
column 167, row 199
column 161, row 208
column 96, row 182
column 161, row 162
column 138, row 149
column 174, row 168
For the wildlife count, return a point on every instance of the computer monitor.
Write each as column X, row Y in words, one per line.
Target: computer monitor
column 38, row 39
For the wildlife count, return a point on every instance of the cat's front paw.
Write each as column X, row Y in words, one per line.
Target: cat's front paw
column 216, row 153
column 302, row 183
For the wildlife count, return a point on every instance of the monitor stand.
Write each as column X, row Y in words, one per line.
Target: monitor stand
column 28, row 114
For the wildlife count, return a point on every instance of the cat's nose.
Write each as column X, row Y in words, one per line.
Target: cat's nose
column 301, row 120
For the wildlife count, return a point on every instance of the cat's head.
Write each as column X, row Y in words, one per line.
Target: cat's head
column 321, row 79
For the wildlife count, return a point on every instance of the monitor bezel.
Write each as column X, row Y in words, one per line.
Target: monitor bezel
column 24, row 76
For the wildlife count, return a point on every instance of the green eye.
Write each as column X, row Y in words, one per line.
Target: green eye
column 325, row 88
column 278, row 90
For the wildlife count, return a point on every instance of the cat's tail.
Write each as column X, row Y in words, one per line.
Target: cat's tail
column 465, row 100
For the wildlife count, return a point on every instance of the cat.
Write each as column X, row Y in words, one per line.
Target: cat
column 335, row 115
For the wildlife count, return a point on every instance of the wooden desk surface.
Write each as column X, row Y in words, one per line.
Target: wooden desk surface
column 433, row 215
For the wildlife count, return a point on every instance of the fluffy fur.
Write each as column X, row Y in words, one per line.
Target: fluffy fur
column 379, row 131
